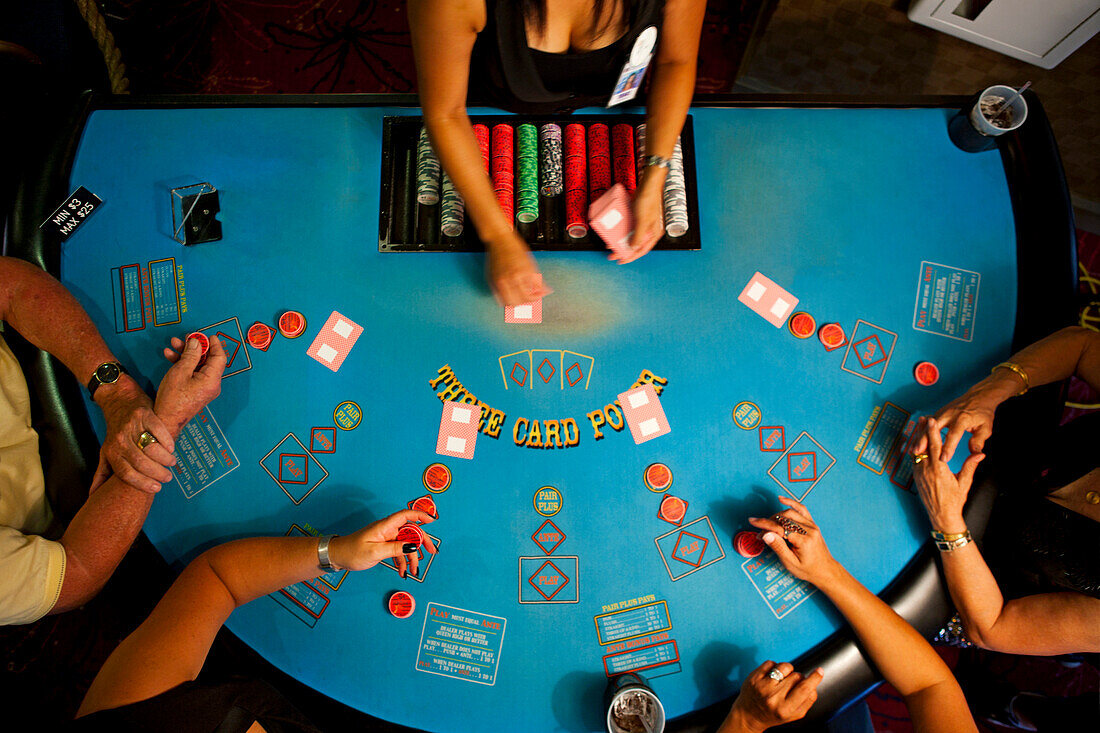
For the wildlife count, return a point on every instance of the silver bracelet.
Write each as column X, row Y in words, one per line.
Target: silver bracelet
column 656, row 161
column 322, row 554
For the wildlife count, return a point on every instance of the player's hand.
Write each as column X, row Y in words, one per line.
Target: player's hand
column 188, row 387
column 972, row 413
column 804, row 554
column 764, row 702
column 943, row 492
column 376, row 542
column 513, row 275
column 649, row 213
column 128, row 412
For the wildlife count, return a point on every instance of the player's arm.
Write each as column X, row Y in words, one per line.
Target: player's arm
column 46, row 314
column 906, row 660
column 102, row 531
column 170, row 647
column 1073, row 351
column 671, row 89
column 443, row 34
column 1045, row 624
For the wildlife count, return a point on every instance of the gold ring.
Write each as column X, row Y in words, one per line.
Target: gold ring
column 146, row 439
column 918, row 458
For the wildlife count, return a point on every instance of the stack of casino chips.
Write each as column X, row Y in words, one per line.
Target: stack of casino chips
column 501, row 168
column 599, row 160
column 576, row 181
column 527, row 163
column 550, row 159
column 675, row 195
column 481, row 134
column 427, row 171
column 453, row 212
column 622, row 151
column 639, row 148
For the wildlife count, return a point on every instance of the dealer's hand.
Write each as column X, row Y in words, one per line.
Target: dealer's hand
column 972, row 413
column 942, row 492
column 804, row 554
column 188, row 387
column 765, row 702
column 648, row 208
column 376, row 542
column 513, row 275
column 128, row 412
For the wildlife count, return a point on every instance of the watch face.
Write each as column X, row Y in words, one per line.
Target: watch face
column 107, row 373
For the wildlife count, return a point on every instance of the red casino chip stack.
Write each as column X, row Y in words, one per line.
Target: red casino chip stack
column 926, row 373
column 831, row 336
column 481, row 134
column 436, row 478
column 622, row 148
column 802, row 325
column 599, row 160
column 204, row 344
column 424, row 504
column 260, row 335
column 672, row 509
column 502, row 169
column 748, row 544
column 292, row 324
column 410, row 534
column 401, row 604
column 657, row 477
column 576, row 181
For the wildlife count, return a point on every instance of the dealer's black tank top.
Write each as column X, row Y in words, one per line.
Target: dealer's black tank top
column 506, row 73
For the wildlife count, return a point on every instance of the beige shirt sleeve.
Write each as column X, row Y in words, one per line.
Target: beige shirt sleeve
column 32, row 569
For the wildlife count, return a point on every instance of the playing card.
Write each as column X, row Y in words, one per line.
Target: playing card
column 334, row 342
column 643, row 413
column 547, row 369
column 576, row 370
column 525, row 312
column 612, row 218
column 515, row 369
column 458, row 430
column 768, row 300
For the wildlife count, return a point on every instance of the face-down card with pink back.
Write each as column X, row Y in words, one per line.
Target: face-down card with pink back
column 613, row 219
column 643, row 413
column 768, row 300
column 458, row 430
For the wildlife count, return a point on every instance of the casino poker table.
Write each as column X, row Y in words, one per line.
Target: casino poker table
column 575, row 541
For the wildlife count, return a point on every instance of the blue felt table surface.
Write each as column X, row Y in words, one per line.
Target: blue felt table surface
column 839, row 206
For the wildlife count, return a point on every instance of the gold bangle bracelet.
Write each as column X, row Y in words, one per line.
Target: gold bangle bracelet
column 1019, row 372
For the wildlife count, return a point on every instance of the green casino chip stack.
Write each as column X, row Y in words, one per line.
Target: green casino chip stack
column 527, row 190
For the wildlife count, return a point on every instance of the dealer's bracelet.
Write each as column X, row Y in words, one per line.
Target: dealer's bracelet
column 322, row 554
column 656, row 161
column 1019, row 372
column 951, row 542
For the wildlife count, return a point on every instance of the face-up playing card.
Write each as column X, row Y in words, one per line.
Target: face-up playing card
column 525, row 312
column 458, row 430
column 546, row 372
column 768, row 300
column 612, row 218
column 643, row 413
column 334, row 342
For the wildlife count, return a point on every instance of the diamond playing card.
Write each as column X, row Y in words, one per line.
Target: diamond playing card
column 644, row 414
column 525, row 312
column 334, row 342
column 612, row 218
column 458, row 430
column 768, row 300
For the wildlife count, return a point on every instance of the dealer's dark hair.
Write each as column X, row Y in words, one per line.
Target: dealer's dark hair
column 536, row 10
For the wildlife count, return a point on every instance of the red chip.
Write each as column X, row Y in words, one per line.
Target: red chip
column 436, row 478
column 410, row 533
column 831, row 336
column 657, row 477
column 292, row 324
column 402, row 604
column 926, row 373
column 204, row 343
column 260, row 335
column 673, row 509
column 802, row 325
column 424, row 504
column 748, row 544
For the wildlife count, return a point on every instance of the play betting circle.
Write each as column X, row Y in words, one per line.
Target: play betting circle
column 589, row 471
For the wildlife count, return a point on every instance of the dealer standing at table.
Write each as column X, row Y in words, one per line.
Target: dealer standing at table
column 538, row 57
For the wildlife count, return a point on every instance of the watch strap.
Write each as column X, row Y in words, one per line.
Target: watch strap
column 323, row 558
column 93, row 383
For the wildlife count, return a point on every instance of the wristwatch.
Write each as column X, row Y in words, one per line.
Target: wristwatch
column 951, row 542
column 106, row 373
column 322, row 554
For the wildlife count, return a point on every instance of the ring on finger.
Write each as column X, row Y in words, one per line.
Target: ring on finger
column 146, row 439
column 776, row 675
column 789, row 525
column 920, row 457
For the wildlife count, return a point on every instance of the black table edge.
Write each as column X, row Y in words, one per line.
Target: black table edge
column 1046, row 267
